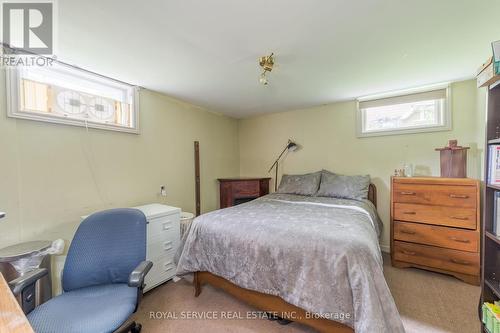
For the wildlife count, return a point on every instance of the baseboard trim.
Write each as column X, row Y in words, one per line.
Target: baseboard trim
column 385, row 248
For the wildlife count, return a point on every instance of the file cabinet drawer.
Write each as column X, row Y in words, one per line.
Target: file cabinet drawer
column 165, row 227
column 163, row 269
column 161, row 248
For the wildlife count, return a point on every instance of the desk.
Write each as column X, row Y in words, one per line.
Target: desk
column 12, row 318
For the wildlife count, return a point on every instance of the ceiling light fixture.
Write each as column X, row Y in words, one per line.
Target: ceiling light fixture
column 267, row 64
column 263, row 79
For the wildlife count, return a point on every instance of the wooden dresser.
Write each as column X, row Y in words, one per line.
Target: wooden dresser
column 234, row 191
column 435, row 225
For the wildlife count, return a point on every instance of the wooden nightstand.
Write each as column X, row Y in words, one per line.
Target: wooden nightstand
column 435, row 225
column 234, row 191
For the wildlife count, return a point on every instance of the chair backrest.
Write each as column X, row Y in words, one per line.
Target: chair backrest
column 106, row 248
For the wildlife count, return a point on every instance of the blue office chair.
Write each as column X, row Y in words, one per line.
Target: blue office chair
column 103, row 277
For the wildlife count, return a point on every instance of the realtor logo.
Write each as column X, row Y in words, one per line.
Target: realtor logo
column 28, row 27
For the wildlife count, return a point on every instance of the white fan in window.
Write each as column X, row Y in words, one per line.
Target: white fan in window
column 101, row 108
column 71, row 102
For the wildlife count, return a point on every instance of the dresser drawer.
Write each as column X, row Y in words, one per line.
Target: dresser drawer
column 440, row 215
column 444, row 195
column 431, row 256
column 450, row 238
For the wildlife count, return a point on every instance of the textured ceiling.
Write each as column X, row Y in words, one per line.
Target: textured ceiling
column 205, row 52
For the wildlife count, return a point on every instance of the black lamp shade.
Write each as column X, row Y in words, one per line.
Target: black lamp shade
column 292, row 146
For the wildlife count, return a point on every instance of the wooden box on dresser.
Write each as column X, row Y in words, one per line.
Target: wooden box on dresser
column 435, row 225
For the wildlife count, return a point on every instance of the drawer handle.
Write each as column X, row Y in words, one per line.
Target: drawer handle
column 167, row 245
column 460, row 262
column 167, row 225
column 409, row 232
column 462, row 218
column 459, row 196
column 410, row 213
column 459, row 240
column 168, row 266
column 408, row 193
column 410, row 253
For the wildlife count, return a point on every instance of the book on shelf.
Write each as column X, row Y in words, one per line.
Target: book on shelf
column 496, row 214
column 494, row 165
column 496, row 55
column 491, row 316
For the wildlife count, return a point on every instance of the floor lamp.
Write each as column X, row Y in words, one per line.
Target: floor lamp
column 290, row 146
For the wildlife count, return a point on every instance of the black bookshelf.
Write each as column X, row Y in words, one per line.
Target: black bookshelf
column 490, row 243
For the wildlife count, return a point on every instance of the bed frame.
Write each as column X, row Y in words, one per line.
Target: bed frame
column 274, row 304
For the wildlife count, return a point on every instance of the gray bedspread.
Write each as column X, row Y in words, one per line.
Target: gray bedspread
column 320, row 254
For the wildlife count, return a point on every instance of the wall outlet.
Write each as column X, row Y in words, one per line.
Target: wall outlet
column 163, row 191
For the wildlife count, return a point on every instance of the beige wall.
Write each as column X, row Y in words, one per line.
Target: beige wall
column 50, row 175
column 328, row 137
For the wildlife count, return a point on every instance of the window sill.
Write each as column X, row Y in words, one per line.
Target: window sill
column 71, row 122
column 404, row 131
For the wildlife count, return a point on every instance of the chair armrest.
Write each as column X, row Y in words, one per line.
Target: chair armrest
column 18, row 285
column 136, row 278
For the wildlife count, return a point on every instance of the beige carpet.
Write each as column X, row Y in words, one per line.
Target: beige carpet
column 428, row 303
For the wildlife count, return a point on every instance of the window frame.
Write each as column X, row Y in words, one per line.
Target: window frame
column 447, row 113
column 13, row 105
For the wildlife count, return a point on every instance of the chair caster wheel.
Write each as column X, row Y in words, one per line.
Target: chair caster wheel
column 136, row 329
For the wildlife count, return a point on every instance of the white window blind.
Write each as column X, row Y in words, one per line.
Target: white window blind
column 410, row 112
column 411, row 98
column 68, row 95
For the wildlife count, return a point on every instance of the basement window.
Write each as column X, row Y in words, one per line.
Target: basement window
column 411, row 111
column 66, row 95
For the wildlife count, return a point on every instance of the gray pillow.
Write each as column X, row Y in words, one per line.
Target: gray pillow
column 339, row 186
column 326, row 172
column 307, row 184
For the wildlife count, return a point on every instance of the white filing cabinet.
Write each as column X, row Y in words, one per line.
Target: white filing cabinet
column 163, row 238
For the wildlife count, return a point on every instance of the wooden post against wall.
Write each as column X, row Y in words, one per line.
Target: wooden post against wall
column 197, row 177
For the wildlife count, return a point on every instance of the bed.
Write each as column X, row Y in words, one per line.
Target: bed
column 313, row 260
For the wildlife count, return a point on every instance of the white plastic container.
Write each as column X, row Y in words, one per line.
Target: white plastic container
column 186, row 220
